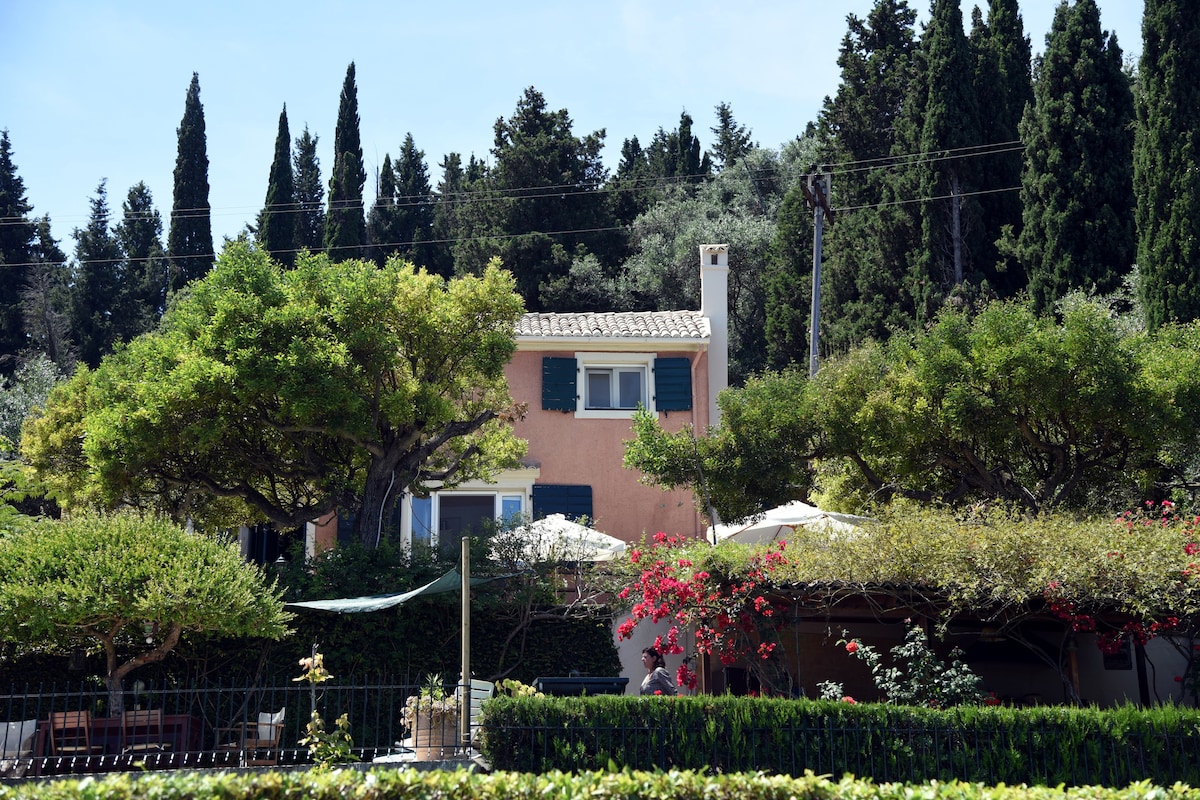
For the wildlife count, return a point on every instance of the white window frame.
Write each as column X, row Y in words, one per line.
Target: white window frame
column 512, row 485
column 585, row 361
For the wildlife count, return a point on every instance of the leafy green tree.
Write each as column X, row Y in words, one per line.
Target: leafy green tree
column 97, row 284
column 308, row 194
column 1003, row 86
column 1077, row 184
column 1167, row 162
column 345, row 223
column 678, row 154
column 277, row 220
column 139, row 237
column 732, row 141
column 1003, row 406
column 133, row 584
column 21, row 395
column 17, row 236
column 190, row 241
column 863, row 270
column 295, row 393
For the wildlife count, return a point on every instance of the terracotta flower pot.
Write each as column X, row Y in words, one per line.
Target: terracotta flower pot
column 434, row 737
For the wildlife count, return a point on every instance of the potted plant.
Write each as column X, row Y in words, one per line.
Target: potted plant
column 431, row 715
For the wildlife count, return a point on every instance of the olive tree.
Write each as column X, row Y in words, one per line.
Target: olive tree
column 133, row 584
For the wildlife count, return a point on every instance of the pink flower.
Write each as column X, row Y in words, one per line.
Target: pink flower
column 848, row 699
column 851, row 647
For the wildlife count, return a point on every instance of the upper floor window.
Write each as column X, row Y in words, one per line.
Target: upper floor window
column 612, row 385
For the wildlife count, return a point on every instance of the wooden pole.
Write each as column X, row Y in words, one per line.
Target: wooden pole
column 464, row 693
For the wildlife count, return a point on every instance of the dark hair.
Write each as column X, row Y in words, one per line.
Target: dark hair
column 659, row 661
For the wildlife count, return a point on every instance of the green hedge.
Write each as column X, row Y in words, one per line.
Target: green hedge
column 439, row 785
column 991, row 745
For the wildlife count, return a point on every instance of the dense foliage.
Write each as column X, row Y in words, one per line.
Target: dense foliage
column 1001, row 406
column 601, row 784
column 190, row 241
column 729, row 735
column 133, row 585
column 294, row 392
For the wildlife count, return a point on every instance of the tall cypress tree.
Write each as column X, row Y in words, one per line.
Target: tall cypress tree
column 788, row 283
column 99, row 280
column 190, row 241
column 950, row 134
column 345, row 224
column 308, row 194
column 1167, row 162
column 381, row 222
column 446, row 227
column 17, row 236
column 139, row 238
column 1003, row 86
column 414, row 201
column 864, row 267
column 1077, row 183
column 277, row 221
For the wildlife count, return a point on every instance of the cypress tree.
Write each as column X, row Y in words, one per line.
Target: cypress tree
column 345, row 224
column 99, row 280
column 277, row 222
column 447, row 203
column 414, row 201
column 381, row 222
column 1077, row 182
column 1003, row 86
column 949, row 135
column 190, row 241
column 1167, row 162
column 139, row 238
column 788, row 283
column 17, row 236
column 732, row 141
column 864, row 262
column 308, row 194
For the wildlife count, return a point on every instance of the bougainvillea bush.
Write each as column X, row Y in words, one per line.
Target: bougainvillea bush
column 1135, row 576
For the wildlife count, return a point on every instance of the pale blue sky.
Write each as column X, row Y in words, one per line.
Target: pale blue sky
column 95, row 89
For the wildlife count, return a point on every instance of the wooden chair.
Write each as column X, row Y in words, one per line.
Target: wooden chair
column 257, row 744
column 71, row 733
column 142, row 732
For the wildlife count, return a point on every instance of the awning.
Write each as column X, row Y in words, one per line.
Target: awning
column 450, row 582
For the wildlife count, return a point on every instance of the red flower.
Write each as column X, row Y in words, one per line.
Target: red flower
column 851, row 647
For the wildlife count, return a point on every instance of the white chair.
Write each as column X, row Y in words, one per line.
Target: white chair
column 480, row 691
column 257, row 743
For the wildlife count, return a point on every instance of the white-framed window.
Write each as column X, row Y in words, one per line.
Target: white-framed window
column 441, row 519
column 614, row 384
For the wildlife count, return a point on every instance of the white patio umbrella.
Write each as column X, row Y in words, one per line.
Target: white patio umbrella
column 781, row 521
column 556, row 538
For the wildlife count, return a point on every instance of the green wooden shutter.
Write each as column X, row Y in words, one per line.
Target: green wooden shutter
column 558, row 384
column 672, row 384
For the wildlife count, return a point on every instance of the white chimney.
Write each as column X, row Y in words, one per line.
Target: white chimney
column 714, row 304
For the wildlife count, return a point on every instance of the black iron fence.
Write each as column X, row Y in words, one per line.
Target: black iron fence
column 75, row 729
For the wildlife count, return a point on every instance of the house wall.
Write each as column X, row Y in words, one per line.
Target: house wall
column 590, row 452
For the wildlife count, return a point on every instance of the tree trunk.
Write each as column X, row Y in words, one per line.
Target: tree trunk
column 383, row 485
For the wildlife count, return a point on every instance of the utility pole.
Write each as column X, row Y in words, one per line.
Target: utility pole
column 816, row 187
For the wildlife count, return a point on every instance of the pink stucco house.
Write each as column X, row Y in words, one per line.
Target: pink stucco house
column 581, row 376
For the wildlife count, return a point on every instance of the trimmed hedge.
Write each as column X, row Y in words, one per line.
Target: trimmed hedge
column 990, row 745
column 416, row 785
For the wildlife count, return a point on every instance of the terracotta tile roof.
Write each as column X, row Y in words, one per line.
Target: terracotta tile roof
column 616, row 325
